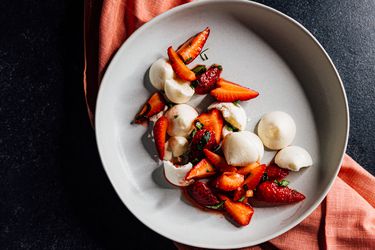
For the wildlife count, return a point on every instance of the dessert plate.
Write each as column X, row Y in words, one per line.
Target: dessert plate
column 258, row 47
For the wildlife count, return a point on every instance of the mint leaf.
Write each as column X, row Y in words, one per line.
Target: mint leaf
column 191, row 136
column 204, row 57
column 265, row 177
column 188, row 60
column 241, row 199
column 205, row 138
column 199, row 125
column 217, row 206
column 194, row 84
column 199, row 69
column 282, row 183
column 230, row 127
column 237, row 103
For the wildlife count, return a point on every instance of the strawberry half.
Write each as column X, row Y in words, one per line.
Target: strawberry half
column 190, row 49
column 202, row 194
column 276, row 173
column 254, row 177
column 202, row 139
column 219, row 162
column 229, row 181
column 214, row 121
column 227, row 91
column 271, row 192
column 202, row 169
column 154, row 105
column 160, row 134
column 247, row 169
column 206, row 81
column 179, row 66
column 241, row 213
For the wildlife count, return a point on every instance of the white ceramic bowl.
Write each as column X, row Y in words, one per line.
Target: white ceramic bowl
column 258, row 47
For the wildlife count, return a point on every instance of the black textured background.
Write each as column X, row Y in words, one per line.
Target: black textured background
column 54, row 193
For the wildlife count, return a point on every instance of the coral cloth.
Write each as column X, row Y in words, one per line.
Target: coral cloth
column 346, row 217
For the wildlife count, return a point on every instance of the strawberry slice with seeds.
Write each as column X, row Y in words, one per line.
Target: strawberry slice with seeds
column 271, row 192
column 206, row 81
column 202, row 194
column 229, row 181
column 190, row 49
column 241, row 213
column 276, row 173
column 254, row 177
column 179, row 66
column 202, row 169
column 213, row 121
column 154, row 105
column 218, row 161
column 160, row 134
column 227, row 91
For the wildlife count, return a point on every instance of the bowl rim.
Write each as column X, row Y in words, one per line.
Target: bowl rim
column 183, row 7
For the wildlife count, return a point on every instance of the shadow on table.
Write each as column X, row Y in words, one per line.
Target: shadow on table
column 97, row 208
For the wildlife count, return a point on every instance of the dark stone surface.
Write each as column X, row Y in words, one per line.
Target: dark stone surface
column 54, row 193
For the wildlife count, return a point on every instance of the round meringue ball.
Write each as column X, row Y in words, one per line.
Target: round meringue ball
column 293, row 158
column 180, row 118
column 160, row 71
column 277, row 130
column 242, row 148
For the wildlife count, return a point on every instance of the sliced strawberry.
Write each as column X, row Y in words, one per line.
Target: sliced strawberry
column 202, row 194
column 239, row 193
column 254, row 177
column 214, row 121
column 202, row 139
column 247, row 169
column 206, row 81
column 202, row 169
column 229, row 181
column 190, row 49
column 160, row 133
column 271, row 192
column 154, row 105
column 218, row 161
column 229, row 92
column 276, row 173
column 179, row 67
column 241, row 213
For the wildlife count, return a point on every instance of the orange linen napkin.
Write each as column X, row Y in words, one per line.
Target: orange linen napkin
column 344, row 220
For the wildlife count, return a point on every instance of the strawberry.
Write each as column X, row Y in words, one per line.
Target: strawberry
column 202, row 194
column 202, row 139
column 241, row 213
column 229, row 181
column 276, row 173
column 218, row 161
column 179, row 67
column 190, row 49
column 202, row 169
column 154, row 105
column 160, row 133
column 214, row 121
column 239, row 193
column 271, row 192
column 254, row 177
column 247, row 169
column 229, row 92
column 206, row 81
